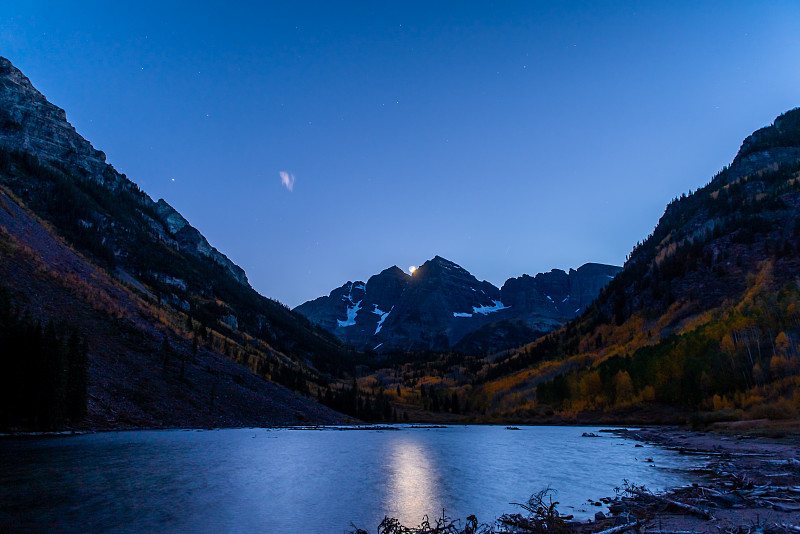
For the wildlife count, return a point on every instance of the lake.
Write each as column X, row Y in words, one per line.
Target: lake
column 311, row 480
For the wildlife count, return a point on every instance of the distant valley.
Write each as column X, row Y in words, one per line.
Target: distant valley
column 115, row 312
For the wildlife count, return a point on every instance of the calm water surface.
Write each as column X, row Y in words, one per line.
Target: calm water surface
column 310, row 481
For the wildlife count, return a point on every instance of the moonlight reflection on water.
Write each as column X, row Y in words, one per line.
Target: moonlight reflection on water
column 304, row 480
column 412, row 480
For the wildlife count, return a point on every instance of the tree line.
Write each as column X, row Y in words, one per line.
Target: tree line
column 43, row 372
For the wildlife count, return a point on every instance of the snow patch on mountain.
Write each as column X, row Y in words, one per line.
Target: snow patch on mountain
column 456, row 314
column 351, row 315
column 485, row 310
column 383, row 315
column 353, row 308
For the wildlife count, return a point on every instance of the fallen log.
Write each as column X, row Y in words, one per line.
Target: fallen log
column 785, row 508
column 711, row 491
column 695, row 452
column 787, row 489
column 620, row 529
column 694, row 510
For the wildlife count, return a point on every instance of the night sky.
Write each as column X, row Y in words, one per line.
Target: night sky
column 318, row 143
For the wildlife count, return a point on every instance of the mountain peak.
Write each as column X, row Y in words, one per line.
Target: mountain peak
column 29, row 123
column 439, row 264
column 143, row 277
column 394, row 270
column 443, row 304
column 717, row 275
column 443, row 261
column 771, row 145
column 10, row 72
column 784, row 132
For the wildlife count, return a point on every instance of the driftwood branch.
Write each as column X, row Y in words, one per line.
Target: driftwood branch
column 620, row 529
column 785, row 507
column 694, row 510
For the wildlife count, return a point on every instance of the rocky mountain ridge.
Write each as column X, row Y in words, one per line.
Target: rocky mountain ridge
column 29, row 123
column 703, row 318
column 174, row 333
column 441, row 303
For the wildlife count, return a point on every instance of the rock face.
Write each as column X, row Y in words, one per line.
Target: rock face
column 190, row 240
column 173, row 333
column 442, row 306
column 146, row 244
column 31, row 124
column 770, row 146
column 548, row 300
column 721, row 265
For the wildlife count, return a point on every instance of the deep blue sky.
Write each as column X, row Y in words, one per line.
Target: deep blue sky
column 508, row 137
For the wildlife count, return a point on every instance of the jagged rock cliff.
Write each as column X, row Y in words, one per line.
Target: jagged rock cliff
column 32, row 125
column 29, row 123
column 704, row 315
column 169, row 321
column 441, row 304
column 548, row 300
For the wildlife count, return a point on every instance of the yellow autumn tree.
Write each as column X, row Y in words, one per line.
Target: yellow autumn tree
column 727, row 344
column 780, row 366
column 648, row 394
column 591, row 386
column 782, row 344
column 623, row 388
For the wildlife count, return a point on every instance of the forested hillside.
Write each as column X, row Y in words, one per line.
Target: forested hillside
column 117, row 312
column 704, row 317
column 703, row 321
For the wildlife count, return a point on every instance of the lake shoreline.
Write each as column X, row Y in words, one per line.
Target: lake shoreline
column 739, row 480
column 292, row 479
column 749, row 482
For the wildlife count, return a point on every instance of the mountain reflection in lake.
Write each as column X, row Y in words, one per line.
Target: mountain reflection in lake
column 309, row 481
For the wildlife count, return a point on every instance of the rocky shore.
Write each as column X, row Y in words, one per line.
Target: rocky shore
column 750, row 484
column 747, row 485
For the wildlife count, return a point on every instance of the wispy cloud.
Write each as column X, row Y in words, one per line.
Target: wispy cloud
column 287, row 180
